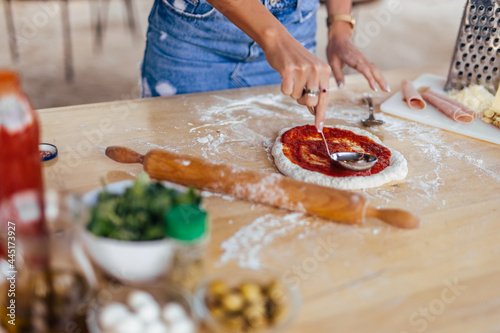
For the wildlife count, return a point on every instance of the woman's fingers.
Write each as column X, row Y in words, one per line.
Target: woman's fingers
column 322, row 102
column 377, row 74
column 310, row 98
column 364, row 68
column 316, row 101
column 341, row 51
column 320, row 116
column 307, row 81
column 303, row 75
column 286, row 84
column 369, row 71
column 337, row 65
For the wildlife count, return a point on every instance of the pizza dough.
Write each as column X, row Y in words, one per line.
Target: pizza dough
column 397, row 169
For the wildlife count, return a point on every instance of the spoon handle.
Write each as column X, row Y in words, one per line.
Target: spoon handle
column 326, row 144
column 369, row 101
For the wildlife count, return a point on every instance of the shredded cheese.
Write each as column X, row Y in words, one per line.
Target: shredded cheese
column 476, row 97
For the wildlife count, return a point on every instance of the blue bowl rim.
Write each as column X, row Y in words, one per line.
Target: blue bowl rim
column 50, row 148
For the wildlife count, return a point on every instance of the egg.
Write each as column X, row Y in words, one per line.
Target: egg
column 149, row 312
column 157, row 327
column 113, row 313
column 131, row 324
column 182, row 326
column 173, row 312
column 139, row 298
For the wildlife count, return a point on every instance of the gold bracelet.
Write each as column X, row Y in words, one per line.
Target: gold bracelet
column 349, row 18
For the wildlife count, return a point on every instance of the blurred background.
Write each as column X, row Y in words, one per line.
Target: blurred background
column 77, row 51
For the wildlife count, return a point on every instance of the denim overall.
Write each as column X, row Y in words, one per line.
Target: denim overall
column 192, row 47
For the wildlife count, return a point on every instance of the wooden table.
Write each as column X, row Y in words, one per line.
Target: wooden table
column 443, row 277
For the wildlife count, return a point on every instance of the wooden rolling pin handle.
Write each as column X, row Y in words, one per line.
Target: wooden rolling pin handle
column 396, row 217
column 124, row 155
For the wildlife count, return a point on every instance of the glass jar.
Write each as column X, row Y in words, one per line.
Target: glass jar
column 187, row 226
column 53, row 297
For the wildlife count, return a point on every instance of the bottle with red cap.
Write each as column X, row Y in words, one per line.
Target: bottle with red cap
column 21, row 183
column 43, row 295
column 24, row 241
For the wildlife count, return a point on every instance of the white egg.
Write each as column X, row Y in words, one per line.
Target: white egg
column 173, row 312
column 130, row 325
column 182, row 326
column 149, row 312
column 113, row 313
column 157, row 327
column 139, row 298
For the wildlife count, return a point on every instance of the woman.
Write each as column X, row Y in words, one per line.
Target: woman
column 201, row 45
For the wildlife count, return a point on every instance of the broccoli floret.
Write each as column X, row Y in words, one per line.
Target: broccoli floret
column 138, row 213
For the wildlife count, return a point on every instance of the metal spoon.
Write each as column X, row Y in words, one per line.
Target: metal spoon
column 351, row 160
column 370, row 121
column 354, row 161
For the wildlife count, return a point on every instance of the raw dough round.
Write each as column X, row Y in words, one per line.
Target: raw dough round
column 397, row 169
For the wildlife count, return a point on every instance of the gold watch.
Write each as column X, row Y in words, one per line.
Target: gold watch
column 349, row 18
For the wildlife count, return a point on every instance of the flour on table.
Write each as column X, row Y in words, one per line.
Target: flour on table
column 244, row 131
column 247, row 243
column 397, row 169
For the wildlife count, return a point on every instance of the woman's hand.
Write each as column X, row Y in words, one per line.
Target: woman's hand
column 340, row 51
column 300, row 70
column 304, row 77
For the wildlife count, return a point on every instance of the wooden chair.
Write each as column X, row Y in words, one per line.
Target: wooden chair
column 99, row 10
column 100, row 13
column 66, row 32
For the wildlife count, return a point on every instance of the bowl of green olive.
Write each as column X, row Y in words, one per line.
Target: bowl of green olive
column 245, row 300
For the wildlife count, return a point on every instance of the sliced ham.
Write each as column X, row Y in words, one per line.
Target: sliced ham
column 465, row 108
column 452, row 109
column 413, row 99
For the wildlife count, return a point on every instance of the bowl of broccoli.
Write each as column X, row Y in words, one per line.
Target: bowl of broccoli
column 124, row 229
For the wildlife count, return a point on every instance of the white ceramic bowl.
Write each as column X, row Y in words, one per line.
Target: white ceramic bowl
column 130, row 261
column 127, row 260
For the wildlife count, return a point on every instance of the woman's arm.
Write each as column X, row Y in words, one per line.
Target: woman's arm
column 340, row 51
column 297, row 67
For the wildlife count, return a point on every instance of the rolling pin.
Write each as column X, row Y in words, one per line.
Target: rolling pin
column 267, row 188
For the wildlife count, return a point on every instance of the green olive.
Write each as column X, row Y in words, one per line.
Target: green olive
column 232, row 301
column 248, row 306
column 255, row 315
column 276, row 292
column 218, row 288
column 217, row 312
column 276, row 312
column 252, row 292
column 234, row 324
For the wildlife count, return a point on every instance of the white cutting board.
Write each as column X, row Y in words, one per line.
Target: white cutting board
column 433, row 117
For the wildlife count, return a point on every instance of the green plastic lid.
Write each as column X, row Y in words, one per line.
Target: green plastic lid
column 185, row 222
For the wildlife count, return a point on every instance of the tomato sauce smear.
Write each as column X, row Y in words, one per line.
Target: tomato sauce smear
column 303, row 146
column 44, row 153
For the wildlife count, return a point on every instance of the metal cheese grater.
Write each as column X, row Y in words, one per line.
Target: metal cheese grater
column 477, row 52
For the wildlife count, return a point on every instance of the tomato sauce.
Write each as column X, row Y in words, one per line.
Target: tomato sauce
column 304, row 146
column 45, row 154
